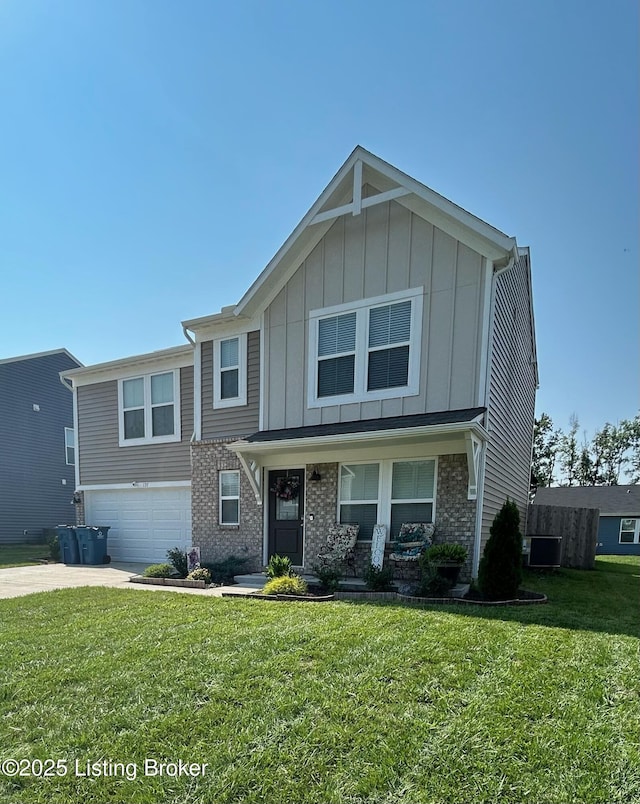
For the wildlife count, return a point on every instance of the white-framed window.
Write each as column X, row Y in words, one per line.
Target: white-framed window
column 365, row 350
column 229, row 497
column 70, row 446
column 149, row 408
column 230, row 371
column 359, row 496
column 629, row 531
column 386, row 492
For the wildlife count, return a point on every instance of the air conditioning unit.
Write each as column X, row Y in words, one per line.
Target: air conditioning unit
column 544, row 551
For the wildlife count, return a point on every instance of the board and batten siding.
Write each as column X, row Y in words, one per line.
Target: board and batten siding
column 103, row 461
column 385, row 249
column 36, row 483
column 512, row 393
column 232, row 421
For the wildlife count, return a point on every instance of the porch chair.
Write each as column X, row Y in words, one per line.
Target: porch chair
column 412, row 541
column 340, row 546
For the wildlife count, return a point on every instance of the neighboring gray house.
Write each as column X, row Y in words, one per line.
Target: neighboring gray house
column 382, row 366
column 38, row 445
column 619, row 527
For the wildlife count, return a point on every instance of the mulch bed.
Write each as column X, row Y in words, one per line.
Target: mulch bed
column 525, row 598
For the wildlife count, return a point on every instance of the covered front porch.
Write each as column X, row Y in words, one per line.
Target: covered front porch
column 383, row 471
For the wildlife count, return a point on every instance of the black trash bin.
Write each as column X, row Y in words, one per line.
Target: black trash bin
column 69, row 551
column 92, row 544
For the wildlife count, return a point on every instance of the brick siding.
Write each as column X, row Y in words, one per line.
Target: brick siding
column 455, row 515
column 216, row 541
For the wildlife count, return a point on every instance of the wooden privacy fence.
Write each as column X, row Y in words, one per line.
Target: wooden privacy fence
column 577, row 526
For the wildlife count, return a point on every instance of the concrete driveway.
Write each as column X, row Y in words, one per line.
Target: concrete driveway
column 17, row 581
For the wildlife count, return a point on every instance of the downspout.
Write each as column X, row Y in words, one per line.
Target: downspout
column 495, row 274
column 197, row 379
column 76, row 469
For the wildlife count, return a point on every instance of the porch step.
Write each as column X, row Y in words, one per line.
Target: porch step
column 255, row 580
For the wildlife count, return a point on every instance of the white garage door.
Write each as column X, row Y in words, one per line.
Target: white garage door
column 144, row 523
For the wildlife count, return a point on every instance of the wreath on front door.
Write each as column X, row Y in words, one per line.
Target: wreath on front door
column 286, row 488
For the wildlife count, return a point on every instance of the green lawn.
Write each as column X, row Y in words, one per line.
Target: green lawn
column 338, row 702
column 20, row 555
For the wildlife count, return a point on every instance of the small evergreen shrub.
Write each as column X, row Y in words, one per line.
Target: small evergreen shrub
column 178, row 558
column 285, row 585
column 378, row 579
column 329, row 576
column 278, row 567
column 200, row 574
column 159, row 571
column 500, row 570
column 222, row 572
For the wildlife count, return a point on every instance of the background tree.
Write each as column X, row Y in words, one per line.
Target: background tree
column 545, row 446
column 569, row 452
column 634, row 448
column 611, row 457
column 610, row 446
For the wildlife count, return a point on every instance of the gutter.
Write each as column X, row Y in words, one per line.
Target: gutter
column 354, row 438
column 185, row 332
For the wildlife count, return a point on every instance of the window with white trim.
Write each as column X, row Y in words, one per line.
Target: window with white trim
column 230, row 372
column 70, row 446
column 365, row 350
column 386, row 492
column 149, row 410
column 629, row 531
column 229, row 497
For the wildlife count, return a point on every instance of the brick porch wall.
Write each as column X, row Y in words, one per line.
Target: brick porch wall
column 216, row 541
column 455, row 514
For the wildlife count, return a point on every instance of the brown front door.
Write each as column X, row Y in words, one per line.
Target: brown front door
column 286, row 513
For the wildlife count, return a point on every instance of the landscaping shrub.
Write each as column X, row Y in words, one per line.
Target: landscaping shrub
column 222, row 572
column 159, row 571
column 500, row 570
column 278, row 567
column 432, row 583
column 447, row 551
column 178, row 558
column 200, row 574
column 378, row 579
column 329, row 576
column 54, row 546
column 285, row 585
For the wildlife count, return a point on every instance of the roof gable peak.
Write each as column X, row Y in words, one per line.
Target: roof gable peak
column 365, row 180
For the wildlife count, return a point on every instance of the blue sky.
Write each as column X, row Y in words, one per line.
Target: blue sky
column 154, row 155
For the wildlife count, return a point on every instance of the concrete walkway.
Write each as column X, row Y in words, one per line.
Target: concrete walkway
column 18, row 581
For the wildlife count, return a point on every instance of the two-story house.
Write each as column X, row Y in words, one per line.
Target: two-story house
column 381, row 369
column 38, row 445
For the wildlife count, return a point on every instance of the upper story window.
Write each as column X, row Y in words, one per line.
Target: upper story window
column 149, row 409
column 70, row 446
column 230, row 372
column 630, row 531
column 365, row 350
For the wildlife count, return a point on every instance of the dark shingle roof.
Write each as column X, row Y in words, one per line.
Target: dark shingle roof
column 609, row 499
column 369, row 425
